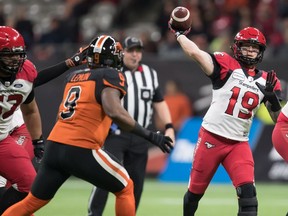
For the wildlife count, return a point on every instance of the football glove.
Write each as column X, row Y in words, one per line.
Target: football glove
column 163, row 142
column 268, row 91
column 176, row 32
column 38, row 148
column 78, row 58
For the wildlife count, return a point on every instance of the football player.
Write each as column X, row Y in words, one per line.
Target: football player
column 91, row 100
column 238, row 89
column 17, row 75
column 280, row 133
column 11, row 43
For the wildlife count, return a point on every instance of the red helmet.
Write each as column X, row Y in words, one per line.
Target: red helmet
column 249, row 35
column 11, row 44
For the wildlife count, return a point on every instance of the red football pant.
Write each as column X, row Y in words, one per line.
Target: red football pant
column 211, row 151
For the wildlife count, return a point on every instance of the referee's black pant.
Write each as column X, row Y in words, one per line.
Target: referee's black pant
column 132, row 152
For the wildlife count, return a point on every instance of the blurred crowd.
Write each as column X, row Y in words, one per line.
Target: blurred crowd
column 215, row 22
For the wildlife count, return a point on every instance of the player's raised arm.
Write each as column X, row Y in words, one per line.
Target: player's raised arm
column 180, row 25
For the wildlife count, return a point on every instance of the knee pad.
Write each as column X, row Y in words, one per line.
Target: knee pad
column 247, row 200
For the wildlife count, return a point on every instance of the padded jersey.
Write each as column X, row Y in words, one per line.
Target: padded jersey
column 235, row 98
column 12, row 95
column 81, row 119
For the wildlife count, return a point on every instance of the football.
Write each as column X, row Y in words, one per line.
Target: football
column 180, row 19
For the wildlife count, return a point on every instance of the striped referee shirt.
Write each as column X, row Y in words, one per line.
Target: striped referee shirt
column 143, row 89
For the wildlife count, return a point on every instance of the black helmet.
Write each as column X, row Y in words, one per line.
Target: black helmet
column 104, row 51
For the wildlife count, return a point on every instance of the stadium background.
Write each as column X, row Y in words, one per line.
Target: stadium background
column 54, row 30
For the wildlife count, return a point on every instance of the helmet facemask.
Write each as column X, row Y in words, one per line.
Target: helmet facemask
column 249, row 35
column 104, row 52
column 236, row 48
column 12, row 62
column 12, row 51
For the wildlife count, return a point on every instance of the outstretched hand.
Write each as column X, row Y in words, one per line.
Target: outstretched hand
column 270, row 83
column 78, row 58
column 268, row 90
column 162, row 141
column 176, row 32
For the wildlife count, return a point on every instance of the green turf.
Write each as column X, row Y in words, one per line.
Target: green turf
column 166, row 199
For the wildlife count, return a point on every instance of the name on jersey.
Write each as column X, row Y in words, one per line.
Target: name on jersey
column 248, row 86
column 241, row 77
column 8, row 91
column 80, row 77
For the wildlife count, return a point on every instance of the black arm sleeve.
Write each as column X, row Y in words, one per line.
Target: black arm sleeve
column 30, row 97
column 50, row 73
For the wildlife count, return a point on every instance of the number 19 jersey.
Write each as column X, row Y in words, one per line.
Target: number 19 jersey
column 235, row 98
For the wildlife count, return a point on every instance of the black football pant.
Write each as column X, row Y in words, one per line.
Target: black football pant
column 132, row 151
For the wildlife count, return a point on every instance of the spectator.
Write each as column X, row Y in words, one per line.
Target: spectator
column 178, row 102
column 25, row 27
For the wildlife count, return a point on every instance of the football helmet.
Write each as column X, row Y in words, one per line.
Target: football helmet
column 249, row 35
column 104, row 51
column 12, row 50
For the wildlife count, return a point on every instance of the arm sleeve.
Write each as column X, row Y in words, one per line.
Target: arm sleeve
column 30, row 97
column 158, row 96
column 50, row 73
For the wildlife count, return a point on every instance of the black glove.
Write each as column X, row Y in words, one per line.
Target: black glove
column 177, row 32
column 163, row 142
column 268, row 91
column 78, row 58
column 38, row 148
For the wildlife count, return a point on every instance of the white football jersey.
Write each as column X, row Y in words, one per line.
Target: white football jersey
column 17, row 120
column 284, row 110
column 12, row 95
column 235, row 99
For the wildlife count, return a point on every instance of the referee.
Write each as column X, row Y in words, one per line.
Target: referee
column 142, row 98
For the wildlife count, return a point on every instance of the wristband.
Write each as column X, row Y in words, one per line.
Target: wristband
column 275, row 107
column 275, row 104
column 140, row 131
column 38, row 141
column 169, row 125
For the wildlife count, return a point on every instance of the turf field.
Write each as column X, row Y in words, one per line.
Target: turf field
column 166, row 199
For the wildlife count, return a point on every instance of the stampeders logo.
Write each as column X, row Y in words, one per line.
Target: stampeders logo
column 209, row 145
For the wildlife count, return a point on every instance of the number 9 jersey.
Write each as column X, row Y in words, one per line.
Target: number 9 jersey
column 235, row 98
column 81, row 119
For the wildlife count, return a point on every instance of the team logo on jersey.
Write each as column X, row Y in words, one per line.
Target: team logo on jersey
column 145, row 94
column 18, row 85
column 21, row 140
column 250, row 79
column 238, row 75
column 219, row 53
column 209, row 145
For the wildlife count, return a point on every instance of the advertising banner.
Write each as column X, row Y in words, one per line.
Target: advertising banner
column 179, row 163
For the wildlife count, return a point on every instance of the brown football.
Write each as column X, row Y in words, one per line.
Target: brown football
column 180, row 19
